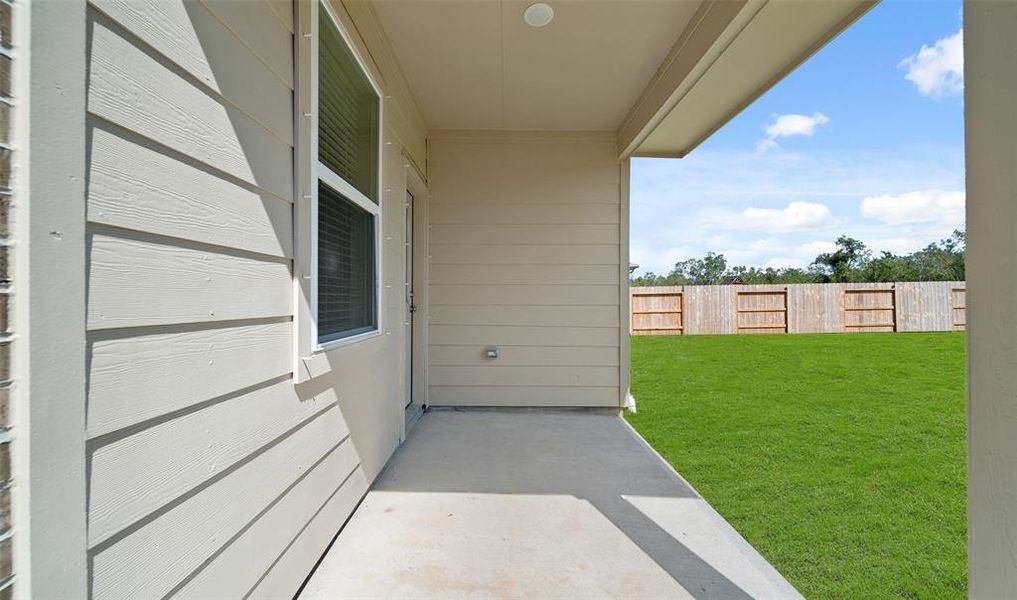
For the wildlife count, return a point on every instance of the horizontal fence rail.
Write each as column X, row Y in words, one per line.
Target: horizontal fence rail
column 799, row 308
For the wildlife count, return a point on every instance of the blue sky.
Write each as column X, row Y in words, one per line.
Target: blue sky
column 865, row 139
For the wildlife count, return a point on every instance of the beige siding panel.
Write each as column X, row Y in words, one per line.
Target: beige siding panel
column 135, row 283
column 134, row 476
column 581, row 186
column 523, row 274
column 490, row 335
column 286, row 575
column 559, row 316
column 284, row 10
column 136, row 187
column 154, row 558
column 134, row 90
column 197, row 42
column 524, row 214
column 523, row 376
column 240, row 567
column 524, row 356
column 460, row 254
column 133, row 379
column 523, row 396
column 534, row 295
column 509, row 171
column 256, row 23
column 525, row 255
column 526, row 234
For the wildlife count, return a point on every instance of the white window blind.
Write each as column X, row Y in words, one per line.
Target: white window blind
column 348, row 113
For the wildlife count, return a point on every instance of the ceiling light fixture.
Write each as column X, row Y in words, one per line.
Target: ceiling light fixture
column 538, row 15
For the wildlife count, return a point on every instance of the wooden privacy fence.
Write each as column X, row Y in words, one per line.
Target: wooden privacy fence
column 799, row 308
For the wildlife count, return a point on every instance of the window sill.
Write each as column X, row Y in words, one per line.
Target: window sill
column 347, row 341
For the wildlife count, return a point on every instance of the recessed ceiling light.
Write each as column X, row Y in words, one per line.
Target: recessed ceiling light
column 538, row 15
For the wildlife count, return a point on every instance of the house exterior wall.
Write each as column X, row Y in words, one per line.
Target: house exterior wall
column 527, row 242
column 212, row 469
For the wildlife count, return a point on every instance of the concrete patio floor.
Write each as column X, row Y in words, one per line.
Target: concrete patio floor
column 515, row 503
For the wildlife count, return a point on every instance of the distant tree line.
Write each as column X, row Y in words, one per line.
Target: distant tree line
column 851, row 262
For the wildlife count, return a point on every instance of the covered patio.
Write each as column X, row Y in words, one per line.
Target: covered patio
column 537, row 503
column 190, row 422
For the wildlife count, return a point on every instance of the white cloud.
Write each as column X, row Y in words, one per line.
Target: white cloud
column 932, row 206
column 811, row 250
column 686, row 208
column 789, row 125
column 937, row 70
column 796, row 216
column 658, row 261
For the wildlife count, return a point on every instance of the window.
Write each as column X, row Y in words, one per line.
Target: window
column 347, row 208
column 346, row 268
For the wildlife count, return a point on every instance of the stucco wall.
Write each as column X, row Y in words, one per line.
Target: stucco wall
column 525, row 252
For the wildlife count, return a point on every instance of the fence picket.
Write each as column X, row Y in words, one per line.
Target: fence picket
column 799, row 308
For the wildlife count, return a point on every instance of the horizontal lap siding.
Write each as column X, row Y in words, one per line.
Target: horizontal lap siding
column 526, row 315
column 208, row 467
column 134, row 87
column 524, row 255
column 171, row 546
column 541, row 233
column 135, row 186
column 167, row 372
column 136, row 282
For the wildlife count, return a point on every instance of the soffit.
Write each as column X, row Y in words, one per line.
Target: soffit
column 477, row 65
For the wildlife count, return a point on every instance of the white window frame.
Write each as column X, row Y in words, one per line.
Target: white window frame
column 308, row 88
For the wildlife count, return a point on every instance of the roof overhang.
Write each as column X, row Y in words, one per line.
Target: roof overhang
column 730, row 54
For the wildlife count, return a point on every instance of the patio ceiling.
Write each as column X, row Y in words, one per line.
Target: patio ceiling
column 478, row 65
column 662, row 74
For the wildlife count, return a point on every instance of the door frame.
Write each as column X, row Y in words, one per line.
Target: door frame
column 416, row 186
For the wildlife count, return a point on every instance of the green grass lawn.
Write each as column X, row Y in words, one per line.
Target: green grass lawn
column 840, row 457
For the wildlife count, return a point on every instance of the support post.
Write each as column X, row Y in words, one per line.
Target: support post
column 990, row 119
